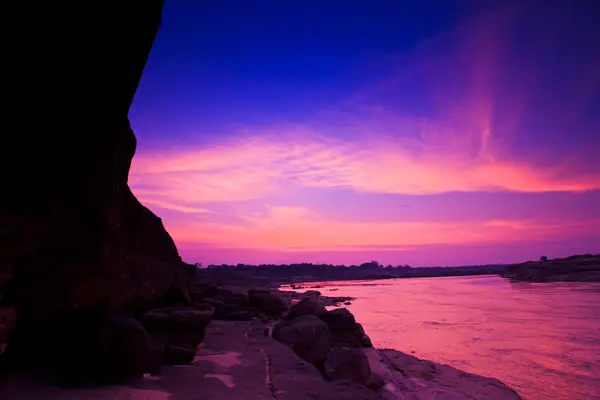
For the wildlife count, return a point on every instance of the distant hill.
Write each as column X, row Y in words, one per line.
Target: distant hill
column 578, row 268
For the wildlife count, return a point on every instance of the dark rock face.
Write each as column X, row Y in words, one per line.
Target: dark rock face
column 73, row 237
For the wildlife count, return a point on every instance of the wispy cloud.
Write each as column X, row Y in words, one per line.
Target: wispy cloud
column 269, row 163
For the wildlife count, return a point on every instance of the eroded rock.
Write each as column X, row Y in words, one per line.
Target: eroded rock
column 308, row 336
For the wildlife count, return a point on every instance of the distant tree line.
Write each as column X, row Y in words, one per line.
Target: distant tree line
column 317, row 272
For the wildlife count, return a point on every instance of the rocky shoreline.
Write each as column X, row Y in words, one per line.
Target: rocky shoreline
column 293, row 346
column 577, row 268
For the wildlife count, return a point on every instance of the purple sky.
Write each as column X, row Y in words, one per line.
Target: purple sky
column 297, row 131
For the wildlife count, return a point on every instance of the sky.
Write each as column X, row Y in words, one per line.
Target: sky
column 409, row 132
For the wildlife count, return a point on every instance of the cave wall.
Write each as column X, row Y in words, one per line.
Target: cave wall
column 72, row 234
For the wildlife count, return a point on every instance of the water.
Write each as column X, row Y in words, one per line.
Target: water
column 542, row 339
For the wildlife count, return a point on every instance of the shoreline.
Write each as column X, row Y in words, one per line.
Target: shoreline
column 292, row 349
column 403, row 375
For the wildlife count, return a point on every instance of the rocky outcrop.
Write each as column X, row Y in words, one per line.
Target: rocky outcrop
column 583, row 268
column 74, row 240
column 410, row 378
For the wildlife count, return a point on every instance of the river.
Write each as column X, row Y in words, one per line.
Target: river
column 542, row 339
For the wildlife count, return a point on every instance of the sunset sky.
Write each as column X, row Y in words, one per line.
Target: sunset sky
column 408, row 132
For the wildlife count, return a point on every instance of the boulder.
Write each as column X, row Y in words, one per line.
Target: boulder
column 339, row 319
column 345, row 363
column 267, row 302
column 346, row 332
column 306, row 306
column 308, row 336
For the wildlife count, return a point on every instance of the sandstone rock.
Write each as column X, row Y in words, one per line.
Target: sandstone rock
column 308, row 336
column 339, row 319
column 267, row 302
column 346, row 363
column 306, row 306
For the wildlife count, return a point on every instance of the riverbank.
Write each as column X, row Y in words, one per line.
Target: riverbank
column 280, row 358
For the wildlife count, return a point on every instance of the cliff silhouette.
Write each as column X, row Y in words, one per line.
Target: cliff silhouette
column 75, row 243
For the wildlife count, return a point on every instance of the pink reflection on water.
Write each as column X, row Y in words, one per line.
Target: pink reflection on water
column 541, row 339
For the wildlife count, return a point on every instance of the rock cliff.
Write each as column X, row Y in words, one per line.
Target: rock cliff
column 72, row 234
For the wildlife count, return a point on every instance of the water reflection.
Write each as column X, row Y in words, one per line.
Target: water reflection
column 541, row 339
